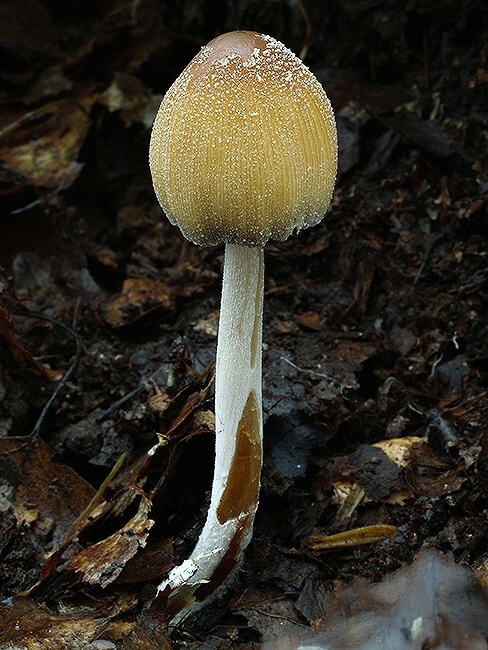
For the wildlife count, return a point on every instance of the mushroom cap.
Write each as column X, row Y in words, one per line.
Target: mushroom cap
column 244, row 145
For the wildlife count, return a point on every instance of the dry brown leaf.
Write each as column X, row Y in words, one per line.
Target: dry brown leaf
column 139, row 296
column 102, row 562
column 309, row 320
column 27, row 626
column 398, row 449
column 43, row 145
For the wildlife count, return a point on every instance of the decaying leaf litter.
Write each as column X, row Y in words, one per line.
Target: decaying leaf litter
column 375, row 363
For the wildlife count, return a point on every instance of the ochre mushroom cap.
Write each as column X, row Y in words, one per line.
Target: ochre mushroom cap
column 244, row 145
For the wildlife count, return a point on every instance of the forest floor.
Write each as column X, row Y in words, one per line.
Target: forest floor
column 375, row 329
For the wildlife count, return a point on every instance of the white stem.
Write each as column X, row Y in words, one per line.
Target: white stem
column 238, row 442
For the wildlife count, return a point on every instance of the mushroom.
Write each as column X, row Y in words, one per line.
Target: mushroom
column 243, row 149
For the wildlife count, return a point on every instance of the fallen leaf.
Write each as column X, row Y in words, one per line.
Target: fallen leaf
column 43, row 145
column 353, row 537
column 27, row 626
column 310, row 320
column 41, row 491
column 138, row 297
column 102, row 562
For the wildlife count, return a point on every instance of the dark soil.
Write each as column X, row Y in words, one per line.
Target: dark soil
column 376, row 327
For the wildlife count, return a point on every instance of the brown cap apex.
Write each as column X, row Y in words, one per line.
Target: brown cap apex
column 244, row 146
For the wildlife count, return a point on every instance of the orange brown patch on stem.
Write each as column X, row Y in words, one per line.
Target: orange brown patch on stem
column 242, row 488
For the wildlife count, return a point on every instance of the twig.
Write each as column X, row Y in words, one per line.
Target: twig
column 128, row 396
column 24, row 208
column 96, row 499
